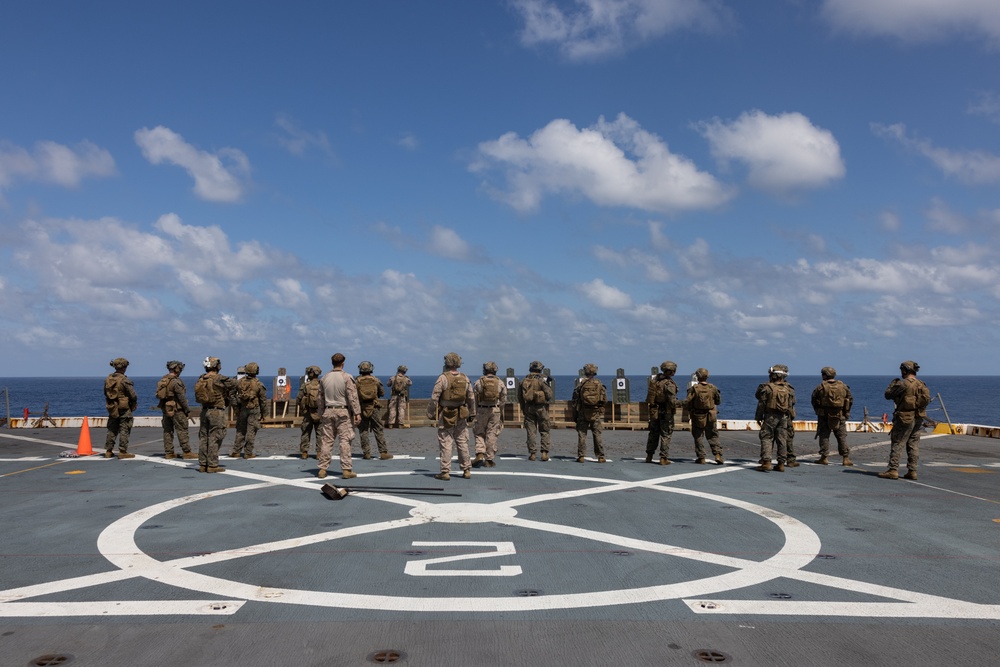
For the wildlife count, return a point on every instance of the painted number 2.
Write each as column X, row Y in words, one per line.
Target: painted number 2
column 418, row 568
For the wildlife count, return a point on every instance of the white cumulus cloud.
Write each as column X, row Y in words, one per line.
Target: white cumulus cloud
column 219, row 176
column 446, row 242
column 612, row 164
column 590, row 29
column 50, row 162
column 916, row 20
column 783, row 153
column 605, row 295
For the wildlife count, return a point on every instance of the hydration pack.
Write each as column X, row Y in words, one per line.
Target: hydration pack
column 490, row 389
column 702, row 397
column 590, row 393
column 367, row 388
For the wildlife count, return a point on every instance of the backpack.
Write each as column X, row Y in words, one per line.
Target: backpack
column 246, row 392
column 457, row 386
column 310, row 395
column 113, row 387
column 653, row 394
column 780, row 398
column 590, row 393
column 367, row 388
column 533, row 390
column 162, row 388
column 206, row 391
column 702, row 397
column 833, row 396
column 399, row 384
column 916, row 395
column 490, row 389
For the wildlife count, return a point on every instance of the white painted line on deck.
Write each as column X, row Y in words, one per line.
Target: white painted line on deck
column 122, row 608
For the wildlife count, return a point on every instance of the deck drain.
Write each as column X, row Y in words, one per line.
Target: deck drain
column 622, row 553
column 52, row 659
column 710, row 655
column 729, row 507
column 826, row 557
column 680, row 526
column 113, row 507
column 271, row 505
column 712, row 606
column 527, row 593
column 386, row 656
column 673, row 646
column 413, row 553
column 579, row 505
column 763, row 493
column 856, row 530
column 780, row 596
column 151, row 526
column 879, row 509
column 330, row 524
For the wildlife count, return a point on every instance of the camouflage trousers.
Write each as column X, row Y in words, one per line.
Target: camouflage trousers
column 536, row 424
column 710, row 432
column 335, row 424
column 372, row 424
column 247, row 425
column 310, row 423
column 119, row 428
column 661, row 430
column 211, row 433
column 905, row 433
column 596, row 426
column 397, row 411
column 489, row 424
column 774, row 431
column 450, row 438
column 175, row 423
column 838, row 427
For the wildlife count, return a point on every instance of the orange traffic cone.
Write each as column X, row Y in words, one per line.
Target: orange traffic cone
column 83, row 447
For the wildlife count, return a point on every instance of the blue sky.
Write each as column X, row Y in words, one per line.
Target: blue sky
column 725, row 184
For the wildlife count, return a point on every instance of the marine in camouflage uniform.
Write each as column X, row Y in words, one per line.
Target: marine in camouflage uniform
column 399, row 396
column 120, row 400
column 911, row 397
column 702, row 399
column 212, row 425
column 589, row 417
column 371, row 413
column 661, row 397
column 832, row 418
column 340, row 412
column 774, row 417
column 176, row 413
column 307, row 401
column 452, row 406
column 491, row 395
column 252, row 399
column 534, row 395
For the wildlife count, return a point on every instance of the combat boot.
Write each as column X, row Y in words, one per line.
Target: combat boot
column 234, row 455
column 719, row 460
column 780, row 467
column 385, row 456
column 126, row 455
column 305, row 455
column 348, row 474
column 765, row 466
column 600, row 459
column 531, row 456
column 189, row 455
column 443, row 476
column 215, row 469
column 889, row 474
column 170, row 455
column 649, row 458
column 910, row 474
column 109, row 454
column 479, row 457
column 580, row 459
column 491, row 464
column 366, row 455
column 700, row 461
column 848, row 461
column 249, row 456
column 202, row 468
column 822, row 461
column 545, row 456
column 322, row 474
column 792, row 464
column 664, row 461
column 467, row 474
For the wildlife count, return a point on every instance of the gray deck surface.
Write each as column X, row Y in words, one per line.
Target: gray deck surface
column 148, row 562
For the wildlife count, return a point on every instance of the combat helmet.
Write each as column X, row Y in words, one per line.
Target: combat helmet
column 779, row 370
column 536, row 367
column 490, row 367
column 589, row 369
column 119, row 363
column 668, row 367
column 212, row 363
column 175, row 365
column 365, row 367
column 252, row 368
column 701, row 374
column 402, row 369
column 828, row 372
column 905, row 367
column 452, row 360
column 313, row 371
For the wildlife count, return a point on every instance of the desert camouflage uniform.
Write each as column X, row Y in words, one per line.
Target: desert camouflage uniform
column 704, row 423
column 536, row 415
column 212, row 425
column 907, row 420
column 120, row 411
column 662, row 429
column 775, row 425
column 176, row 415
column 589, row 418
column 308, row 402
column 452, row 417
column 248, row 416
column 829, row 421
column 399, row 396
column 489, row 417
column 371, row 421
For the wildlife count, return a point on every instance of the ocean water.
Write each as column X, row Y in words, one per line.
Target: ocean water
column 967, row 399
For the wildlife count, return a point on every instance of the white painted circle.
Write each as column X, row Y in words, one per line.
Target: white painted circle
column 801, row 545
column 463, row 512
